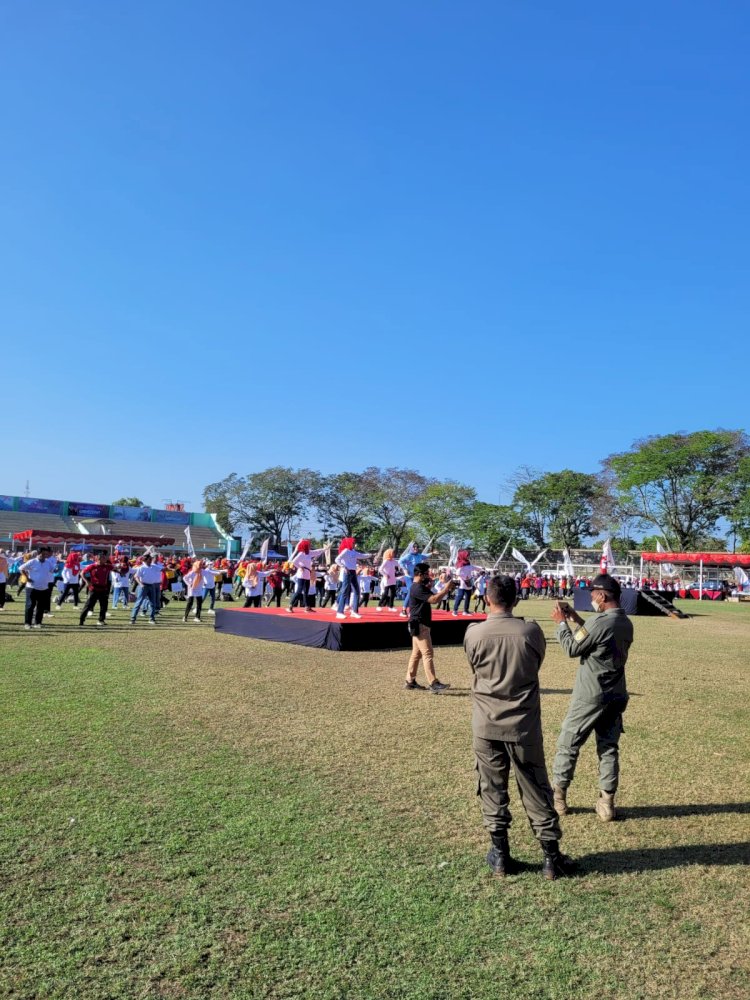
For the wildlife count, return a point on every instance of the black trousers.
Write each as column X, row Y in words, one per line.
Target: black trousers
column 274, row 595
column 252, row 602
column 100, row 597
column 198, row 606
column 389, row 596
column 69, row 588
column 2, row 595
column 35, row 600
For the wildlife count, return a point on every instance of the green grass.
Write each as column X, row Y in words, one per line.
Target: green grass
column 186, row 814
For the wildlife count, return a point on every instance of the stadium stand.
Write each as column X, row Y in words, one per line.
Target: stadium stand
column 206, row 534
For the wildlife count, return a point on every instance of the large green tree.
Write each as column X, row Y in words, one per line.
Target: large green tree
column 683, row 484
column 128, row 502
column 343, row 503
column 271, row 502
column 443, row 509
column 558, row 507
column 490, row 526
column 394, row 496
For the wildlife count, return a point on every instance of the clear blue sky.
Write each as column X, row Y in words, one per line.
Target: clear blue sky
column 241, row 234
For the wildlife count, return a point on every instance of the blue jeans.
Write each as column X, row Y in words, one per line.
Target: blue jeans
column 148, row 595
column 120, row 592
column 349, row 585
column 301, row 590
column 211, row 595
column 407, row 581
column 462, row 595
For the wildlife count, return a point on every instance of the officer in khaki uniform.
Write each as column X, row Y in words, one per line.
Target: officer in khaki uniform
column 505, row 654
column 600, row 694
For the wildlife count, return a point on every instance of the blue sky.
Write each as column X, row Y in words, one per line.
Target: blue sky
column 454, row 237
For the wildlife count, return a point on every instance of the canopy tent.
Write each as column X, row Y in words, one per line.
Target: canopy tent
column 709, row 559
column 703, row 560
column 38, row 536
column 271, row 554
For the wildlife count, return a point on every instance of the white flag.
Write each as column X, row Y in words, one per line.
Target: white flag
column 246, row 549
column 568, row 564
column 191, row 550
column 535, row 561
column 453, row 548
column 520, row 558
column 609, row 556
column 264, row 550
column 743, row 580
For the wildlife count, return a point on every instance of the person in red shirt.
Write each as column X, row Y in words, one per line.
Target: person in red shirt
column 98, row 579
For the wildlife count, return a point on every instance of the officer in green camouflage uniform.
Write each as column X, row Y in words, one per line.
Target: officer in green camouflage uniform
column 505, row 654
column 600, row 693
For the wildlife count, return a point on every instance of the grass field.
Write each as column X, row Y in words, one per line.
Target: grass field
column 191, row 815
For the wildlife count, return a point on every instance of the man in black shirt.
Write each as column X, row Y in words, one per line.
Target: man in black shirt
column 421, row 599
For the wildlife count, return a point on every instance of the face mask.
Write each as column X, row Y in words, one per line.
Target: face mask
column 595, row 605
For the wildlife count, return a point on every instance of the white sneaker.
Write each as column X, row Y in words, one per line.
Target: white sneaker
column 27, row 627
column 290, row 611
column 355, row 615
column 212, row 612
column 36, row 626
column 198, row 621
column 340, row 614
column 378, row 610
column 100, row 624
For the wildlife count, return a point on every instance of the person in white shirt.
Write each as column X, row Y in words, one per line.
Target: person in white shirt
column 254, row 582
column 365, row 580
column 347, row 560
column 301, row 563
column 388, row 571
column 121, row 576
column 40, row 571
column 466, row 572
column 331, row 583
column 148, row 577
column 71, row 578
column 195, row 581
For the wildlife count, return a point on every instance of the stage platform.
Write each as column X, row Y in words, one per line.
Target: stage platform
column 632, row 601
column 321, row 628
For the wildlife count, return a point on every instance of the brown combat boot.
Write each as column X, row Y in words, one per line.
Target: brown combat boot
column 605, row 806
column 559, row 800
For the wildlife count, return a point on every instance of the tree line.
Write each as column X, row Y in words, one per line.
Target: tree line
column 681, row 488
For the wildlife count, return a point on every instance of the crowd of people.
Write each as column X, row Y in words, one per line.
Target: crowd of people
column 310, row 579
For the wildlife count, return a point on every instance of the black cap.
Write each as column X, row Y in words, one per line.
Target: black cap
column 606, row 582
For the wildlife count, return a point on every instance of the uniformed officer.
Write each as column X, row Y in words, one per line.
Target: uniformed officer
column 600, row 693
column 505, row 654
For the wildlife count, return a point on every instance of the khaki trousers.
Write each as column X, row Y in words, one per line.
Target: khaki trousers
column 421, row 649
column 493, row 763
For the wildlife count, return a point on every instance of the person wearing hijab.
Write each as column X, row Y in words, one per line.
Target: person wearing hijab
column 195, row 582
column 388, row 570
column 301, row 563
column 347, row 560
column 71, row 578
column 465, row 583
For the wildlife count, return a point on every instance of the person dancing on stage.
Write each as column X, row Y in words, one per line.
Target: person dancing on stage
column 407, row 562
column 347, row 560
column 465, row 571
column 301, row 563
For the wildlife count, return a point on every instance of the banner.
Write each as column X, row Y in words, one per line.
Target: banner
column 171, row 516
column 123, row 513
column 6, row 503
column 264, row 550
column 35, row 505
column 76, row 509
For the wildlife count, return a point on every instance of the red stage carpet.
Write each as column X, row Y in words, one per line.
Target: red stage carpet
column 321, row 628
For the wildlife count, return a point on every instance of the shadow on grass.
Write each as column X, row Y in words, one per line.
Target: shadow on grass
column 689, row 809
column 659, row 858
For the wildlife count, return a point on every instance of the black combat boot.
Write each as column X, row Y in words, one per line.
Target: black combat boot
column 556, row 864
column 499, row 858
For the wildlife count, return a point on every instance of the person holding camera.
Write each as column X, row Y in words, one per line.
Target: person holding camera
column 600, row 694
column 505, row 654
column 420, row 601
